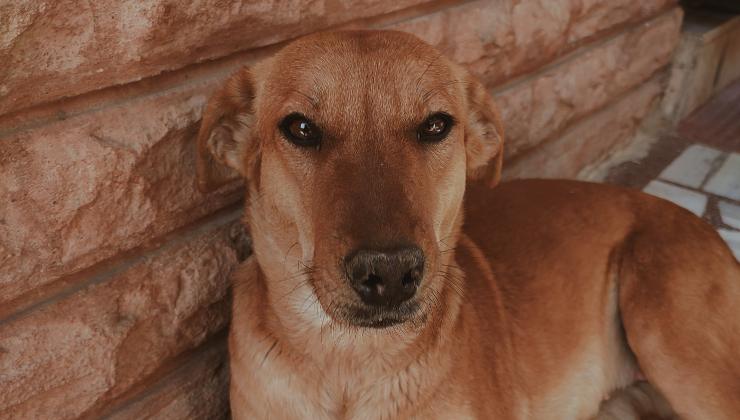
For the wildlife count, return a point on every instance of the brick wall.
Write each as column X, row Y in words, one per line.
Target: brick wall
column 114, row 268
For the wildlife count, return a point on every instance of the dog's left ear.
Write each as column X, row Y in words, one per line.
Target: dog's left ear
column 484, row 133
column 225, row 144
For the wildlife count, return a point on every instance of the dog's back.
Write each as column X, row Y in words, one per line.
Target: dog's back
column 592, row 275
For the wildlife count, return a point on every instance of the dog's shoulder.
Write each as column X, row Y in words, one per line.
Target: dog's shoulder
column 542, row 213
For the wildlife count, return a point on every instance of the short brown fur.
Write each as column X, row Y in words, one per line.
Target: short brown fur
column 541, row 302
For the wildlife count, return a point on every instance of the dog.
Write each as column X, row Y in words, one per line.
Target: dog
column 393, row 277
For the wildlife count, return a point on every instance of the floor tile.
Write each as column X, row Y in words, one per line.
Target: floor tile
column 690, row 200
column 726, row 181
column 692, row 167
column 730, row 214
column 733, row 240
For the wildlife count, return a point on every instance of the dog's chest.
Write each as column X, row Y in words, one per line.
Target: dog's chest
column 287, row 398
column 277, row 388
column 265, row 385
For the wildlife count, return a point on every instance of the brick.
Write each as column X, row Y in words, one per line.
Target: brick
column 75, row 354
column 80, row 190
column 544, row 104
column 198, row 389
column 498, row 40
column 136, row 159
column 53, row 49
column 590, row 140
column 591, row 16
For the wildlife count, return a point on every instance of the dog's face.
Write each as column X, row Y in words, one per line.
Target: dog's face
column 355, row 147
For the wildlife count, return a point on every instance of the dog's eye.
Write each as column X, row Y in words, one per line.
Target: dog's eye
column 435, row 128
column 300, row 131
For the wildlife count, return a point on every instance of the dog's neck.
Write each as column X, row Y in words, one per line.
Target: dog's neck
column 352, row 372
column 344, row 359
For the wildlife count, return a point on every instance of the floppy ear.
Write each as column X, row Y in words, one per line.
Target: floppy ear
column 484, row 133
column 224, row 139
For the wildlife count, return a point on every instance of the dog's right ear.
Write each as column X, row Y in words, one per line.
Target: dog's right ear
column 484, row 141
column 225, row 140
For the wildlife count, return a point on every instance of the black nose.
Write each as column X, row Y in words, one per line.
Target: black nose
column 385, row 278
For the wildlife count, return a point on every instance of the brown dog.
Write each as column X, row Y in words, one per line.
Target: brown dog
column 368, row 297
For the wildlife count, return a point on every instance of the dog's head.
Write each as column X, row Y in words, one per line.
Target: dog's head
column 355, row 147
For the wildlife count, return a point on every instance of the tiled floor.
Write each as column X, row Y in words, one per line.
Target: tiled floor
column 698, row 168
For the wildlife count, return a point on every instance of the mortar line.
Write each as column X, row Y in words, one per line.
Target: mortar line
column 580, row 50
column 221, row 67
column 161, row 377
column 571, row 126
column 217, row 68
column 101, row 273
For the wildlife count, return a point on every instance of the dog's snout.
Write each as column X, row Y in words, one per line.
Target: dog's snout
column 385, row 278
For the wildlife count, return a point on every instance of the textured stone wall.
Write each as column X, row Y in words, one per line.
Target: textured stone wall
column 114, row 268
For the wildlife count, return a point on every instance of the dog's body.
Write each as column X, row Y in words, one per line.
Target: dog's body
column 370, row 296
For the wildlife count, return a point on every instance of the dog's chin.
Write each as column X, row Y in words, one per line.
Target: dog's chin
column 379, row 318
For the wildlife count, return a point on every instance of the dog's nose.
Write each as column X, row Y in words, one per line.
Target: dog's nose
column 385, row 278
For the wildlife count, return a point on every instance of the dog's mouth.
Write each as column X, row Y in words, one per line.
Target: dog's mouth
column 380, row 317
